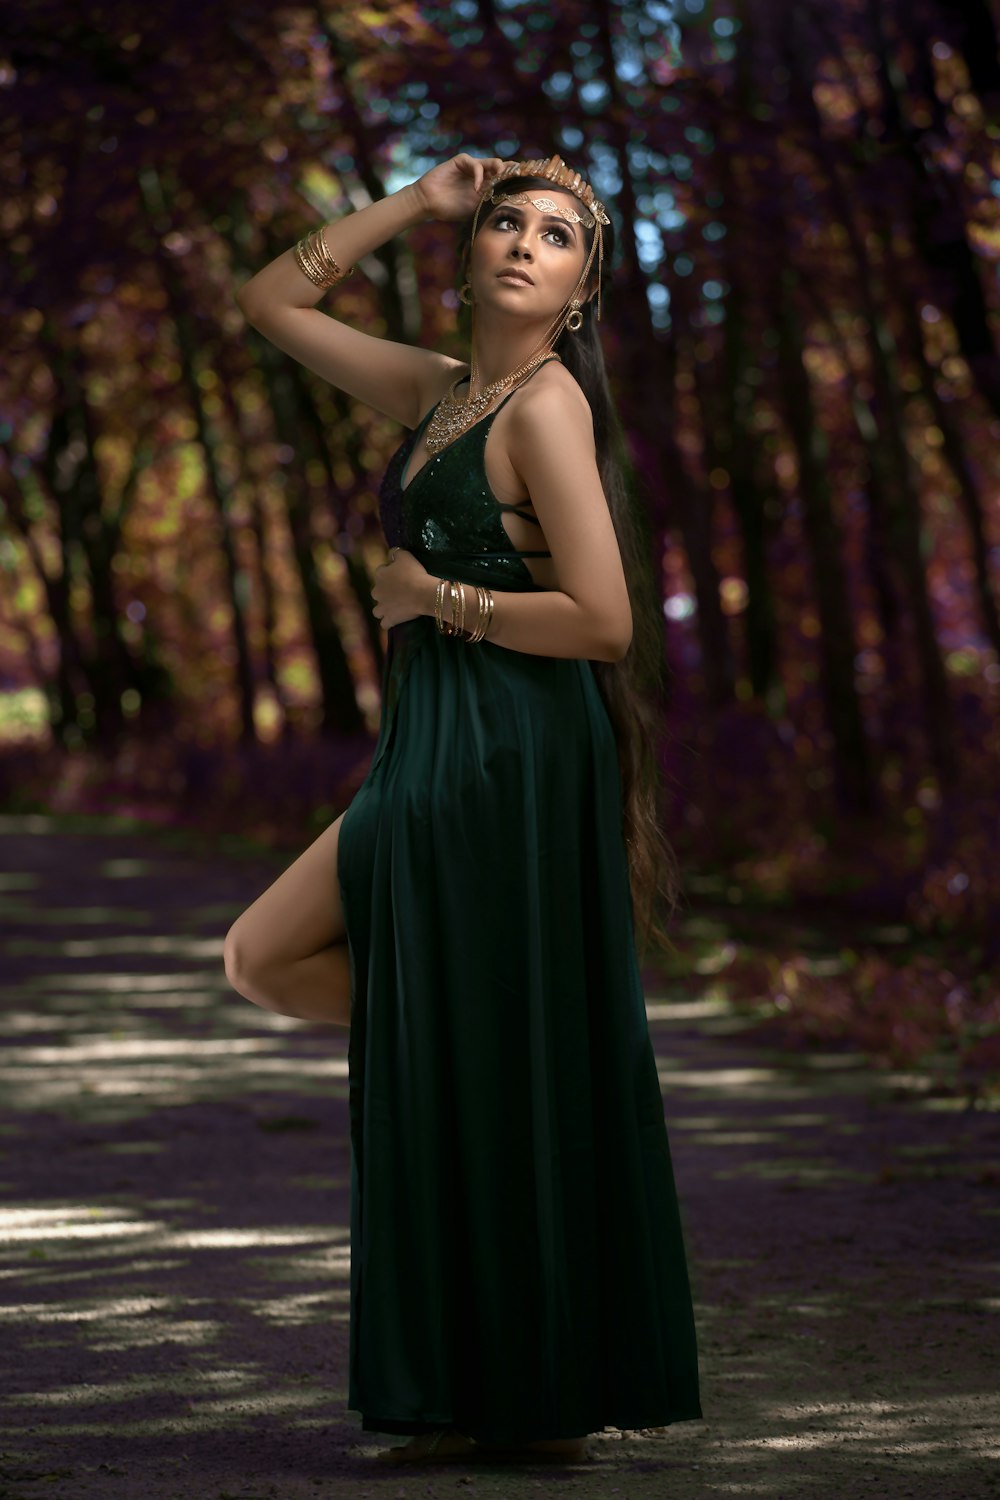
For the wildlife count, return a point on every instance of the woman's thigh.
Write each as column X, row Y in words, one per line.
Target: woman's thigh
column 299, row 913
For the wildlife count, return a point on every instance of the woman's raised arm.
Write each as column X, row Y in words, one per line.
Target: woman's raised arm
column 280, row 300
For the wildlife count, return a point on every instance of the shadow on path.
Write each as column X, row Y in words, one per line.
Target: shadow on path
column 174, row 1253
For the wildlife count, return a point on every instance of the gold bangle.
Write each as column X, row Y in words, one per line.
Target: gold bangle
column 320, row 251
column 477, row 633
column 473, row 635
column 309, row 264
column 315, row 260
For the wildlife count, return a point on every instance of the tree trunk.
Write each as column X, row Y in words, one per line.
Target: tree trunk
column 954, row 447
column 187, row 345
column 70, row 674
column 289, row 395
column 352, row 443
column 899, row 490
column 939, row 207
column 852, row 760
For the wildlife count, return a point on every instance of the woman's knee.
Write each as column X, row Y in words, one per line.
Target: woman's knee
column 299, row 914
column 244, row 964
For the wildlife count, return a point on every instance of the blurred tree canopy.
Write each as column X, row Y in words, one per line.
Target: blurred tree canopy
column 801, row 329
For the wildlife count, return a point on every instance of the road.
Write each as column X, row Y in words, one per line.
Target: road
column 174, row 1250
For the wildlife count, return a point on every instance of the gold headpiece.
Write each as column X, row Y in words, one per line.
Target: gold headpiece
column 555, row 170
column 545, row 206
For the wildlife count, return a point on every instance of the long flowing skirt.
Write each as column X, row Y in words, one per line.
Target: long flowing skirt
column 517, row 1259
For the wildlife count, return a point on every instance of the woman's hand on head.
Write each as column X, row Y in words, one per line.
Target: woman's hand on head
column 452, row 189
column 400, row 589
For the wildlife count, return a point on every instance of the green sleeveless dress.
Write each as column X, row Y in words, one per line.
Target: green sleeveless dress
column 517, row 1261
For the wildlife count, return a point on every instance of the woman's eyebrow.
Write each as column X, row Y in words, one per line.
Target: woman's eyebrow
column 563, row 223
column 503, row 208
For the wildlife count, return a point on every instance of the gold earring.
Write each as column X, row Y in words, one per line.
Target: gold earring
column 575, row 320
column 465, row 293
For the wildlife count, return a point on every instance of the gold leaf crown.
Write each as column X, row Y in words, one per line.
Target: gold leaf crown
column 555, row 170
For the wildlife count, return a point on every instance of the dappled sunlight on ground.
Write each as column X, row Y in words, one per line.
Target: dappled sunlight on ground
column 175, row 1258
column 153, row 1069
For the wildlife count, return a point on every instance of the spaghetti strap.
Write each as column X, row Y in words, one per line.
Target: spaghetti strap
column 503, row 505
column 410, row 444
column 518, row 504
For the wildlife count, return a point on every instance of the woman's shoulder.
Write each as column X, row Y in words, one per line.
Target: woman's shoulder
column 552, row 393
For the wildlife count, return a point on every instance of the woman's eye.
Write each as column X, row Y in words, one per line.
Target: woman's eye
column 505, row 221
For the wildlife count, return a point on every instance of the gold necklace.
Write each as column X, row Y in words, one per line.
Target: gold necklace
column 454, row 415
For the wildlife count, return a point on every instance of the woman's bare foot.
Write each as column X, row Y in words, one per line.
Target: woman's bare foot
column 555, row 1450
column 443, row 1445
column 572, row 1449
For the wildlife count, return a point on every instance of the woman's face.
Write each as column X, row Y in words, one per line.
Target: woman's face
column 526, row 260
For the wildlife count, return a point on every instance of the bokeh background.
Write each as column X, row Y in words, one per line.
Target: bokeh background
column 801, row 329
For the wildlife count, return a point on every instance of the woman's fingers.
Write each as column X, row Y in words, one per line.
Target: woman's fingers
column 468, row 165
column 479, row 166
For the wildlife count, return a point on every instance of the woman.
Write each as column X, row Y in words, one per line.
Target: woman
column 518, row 1275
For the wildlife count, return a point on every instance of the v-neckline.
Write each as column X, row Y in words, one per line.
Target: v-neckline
column 404, row 481
column 406, row 484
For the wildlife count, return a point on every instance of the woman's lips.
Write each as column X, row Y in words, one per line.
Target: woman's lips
column 519, row 276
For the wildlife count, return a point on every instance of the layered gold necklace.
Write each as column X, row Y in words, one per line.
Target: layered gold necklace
column 455, row 414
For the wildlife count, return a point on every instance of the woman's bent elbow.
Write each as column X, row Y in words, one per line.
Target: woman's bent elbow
column 616, row 647
column 250, row 304
column 241, row 972
column 246, row 308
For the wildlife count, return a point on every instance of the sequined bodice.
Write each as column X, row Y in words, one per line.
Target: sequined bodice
column 447, row 512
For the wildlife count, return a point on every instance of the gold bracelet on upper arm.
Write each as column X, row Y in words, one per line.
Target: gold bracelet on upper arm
column 316, row 262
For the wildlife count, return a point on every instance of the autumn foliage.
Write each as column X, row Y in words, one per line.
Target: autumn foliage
column 802, row 331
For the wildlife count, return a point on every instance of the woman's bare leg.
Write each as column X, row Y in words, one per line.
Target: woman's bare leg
column 288, row 951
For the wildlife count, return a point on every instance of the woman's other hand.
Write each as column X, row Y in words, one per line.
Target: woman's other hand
column 452, row 189
column 404, row 592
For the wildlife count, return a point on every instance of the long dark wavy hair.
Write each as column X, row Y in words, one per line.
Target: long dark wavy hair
column 634, row 690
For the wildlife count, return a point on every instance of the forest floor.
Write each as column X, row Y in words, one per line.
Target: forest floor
column 174, row 1248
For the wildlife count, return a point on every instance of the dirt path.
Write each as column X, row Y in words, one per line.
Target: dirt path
column 174, row 1232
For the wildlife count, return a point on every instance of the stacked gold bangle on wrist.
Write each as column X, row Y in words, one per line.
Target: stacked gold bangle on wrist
column 316, row 262
column 438, row 603
column 456, row 597
column 485, row 615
